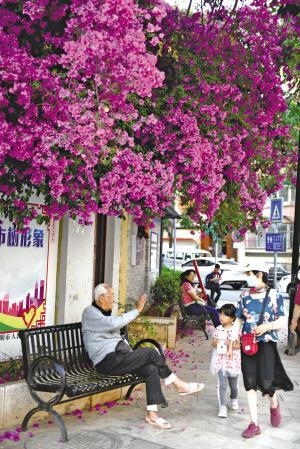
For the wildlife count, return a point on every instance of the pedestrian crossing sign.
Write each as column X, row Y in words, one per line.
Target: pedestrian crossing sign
column 276, row 210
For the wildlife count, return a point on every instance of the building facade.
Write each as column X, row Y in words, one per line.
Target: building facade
column 54, row 282
column 255, row 243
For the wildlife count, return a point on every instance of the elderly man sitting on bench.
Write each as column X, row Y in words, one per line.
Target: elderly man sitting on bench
column 112, row 355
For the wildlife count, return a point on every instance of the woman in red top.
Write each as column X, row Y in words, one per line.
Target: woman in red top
column 296, row 312
column 193, row 301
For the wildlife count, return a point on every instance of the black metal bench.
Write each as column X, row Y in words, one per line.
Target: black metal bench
column 198, row 320
column 55, row 361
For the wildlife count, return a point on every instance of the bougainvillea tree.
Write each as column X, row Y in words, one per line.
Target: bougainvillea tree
column 220, row 118
column 120, row 106
column 67, row 70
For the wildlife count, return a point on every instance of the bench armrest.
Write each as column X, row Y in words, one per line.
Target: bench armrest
column 56, row 368
column 153, row 342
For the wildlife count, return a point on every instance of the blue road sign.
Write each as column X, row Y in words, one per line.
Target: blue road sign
column 276, row 210
column 275, row 242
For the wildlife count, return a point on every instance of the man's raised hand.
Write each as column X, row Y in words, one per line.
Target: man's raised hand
column 141, row 302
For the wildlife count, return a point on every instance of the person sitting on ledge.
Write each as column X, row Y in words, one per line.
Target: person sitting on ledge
column 112, row 355
column 193, row 301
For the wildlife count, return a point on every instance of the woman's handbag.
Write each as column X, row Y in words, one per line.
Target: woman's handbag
column 249, row 342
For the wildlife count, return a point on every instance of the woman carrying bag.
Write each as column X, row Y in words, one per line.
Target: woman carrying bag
column 260, row 313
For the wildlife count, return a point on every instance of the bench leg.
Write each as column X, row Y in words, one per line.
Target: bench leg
column 130, row 390
column 55, row 416
column 203, row 328
column 165, row 403
column 24, row 425
column 60, row 422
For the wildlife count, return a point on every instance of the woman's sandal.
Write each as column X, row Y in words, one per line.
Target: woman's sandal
column 159, row 422
column 193, row 388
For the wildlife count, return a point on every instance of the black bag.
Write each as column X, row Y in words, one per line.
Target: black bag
column 122, row 347
column 208, row 284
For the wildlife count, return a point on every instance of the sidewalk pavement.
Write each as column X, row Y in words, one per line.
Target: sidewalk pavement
column 196, row 424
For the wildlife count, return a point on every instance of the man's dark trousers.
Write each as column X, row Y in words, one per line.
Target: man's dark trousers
column 145, row 362
column 213, row 291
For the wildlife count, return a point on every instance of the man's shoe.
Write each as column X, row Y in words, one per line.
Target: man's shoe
column 275, row 416
column 222, row 411
column 233, row 404
column 251, row 431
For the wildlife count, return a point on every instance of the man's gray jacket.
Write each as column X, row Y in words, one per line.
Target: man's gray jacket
column 101, row 333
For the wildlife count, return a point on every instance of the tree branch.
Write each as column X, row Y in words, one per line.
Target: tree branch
column 189, row 7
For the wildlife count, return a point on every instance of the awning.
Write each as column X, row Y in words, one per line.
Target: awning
column 170, row 212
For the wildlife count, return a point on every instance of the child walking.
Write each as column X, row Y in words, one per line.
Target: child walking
column 227, row 369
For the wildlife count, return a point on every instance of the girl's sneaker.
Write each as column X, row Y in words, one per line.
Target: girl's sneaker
column 233, row 404
column 222, row 411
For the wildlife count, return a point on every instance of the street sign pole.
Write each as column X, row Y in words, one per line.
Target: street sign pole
column 276, row 213
column 275, row 262
column 216, row 250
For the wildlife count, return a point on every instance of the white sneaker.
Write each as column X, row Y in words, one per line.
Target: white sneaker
column 233, row 404
column 222, row 411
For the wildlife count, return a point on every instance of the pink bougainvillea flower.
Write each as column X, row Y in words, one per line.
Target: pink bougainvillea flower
column 123, row 106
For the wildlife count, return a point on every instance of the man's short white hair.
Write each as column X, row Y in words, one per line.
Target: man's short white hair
column 100, row 289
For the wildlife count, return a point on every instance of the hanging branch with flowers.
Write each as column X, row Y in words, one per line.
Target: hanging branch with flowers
column 220, row 113
column 67, row 71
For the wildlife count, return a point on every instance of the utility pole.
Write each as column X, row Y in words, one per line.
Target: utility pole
column 295, row 255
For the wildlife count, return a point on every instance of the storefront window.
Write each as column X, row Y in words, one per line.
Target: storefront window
column 284, row 193
column 261, row 236
column 292, row 194
column 250, row 240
